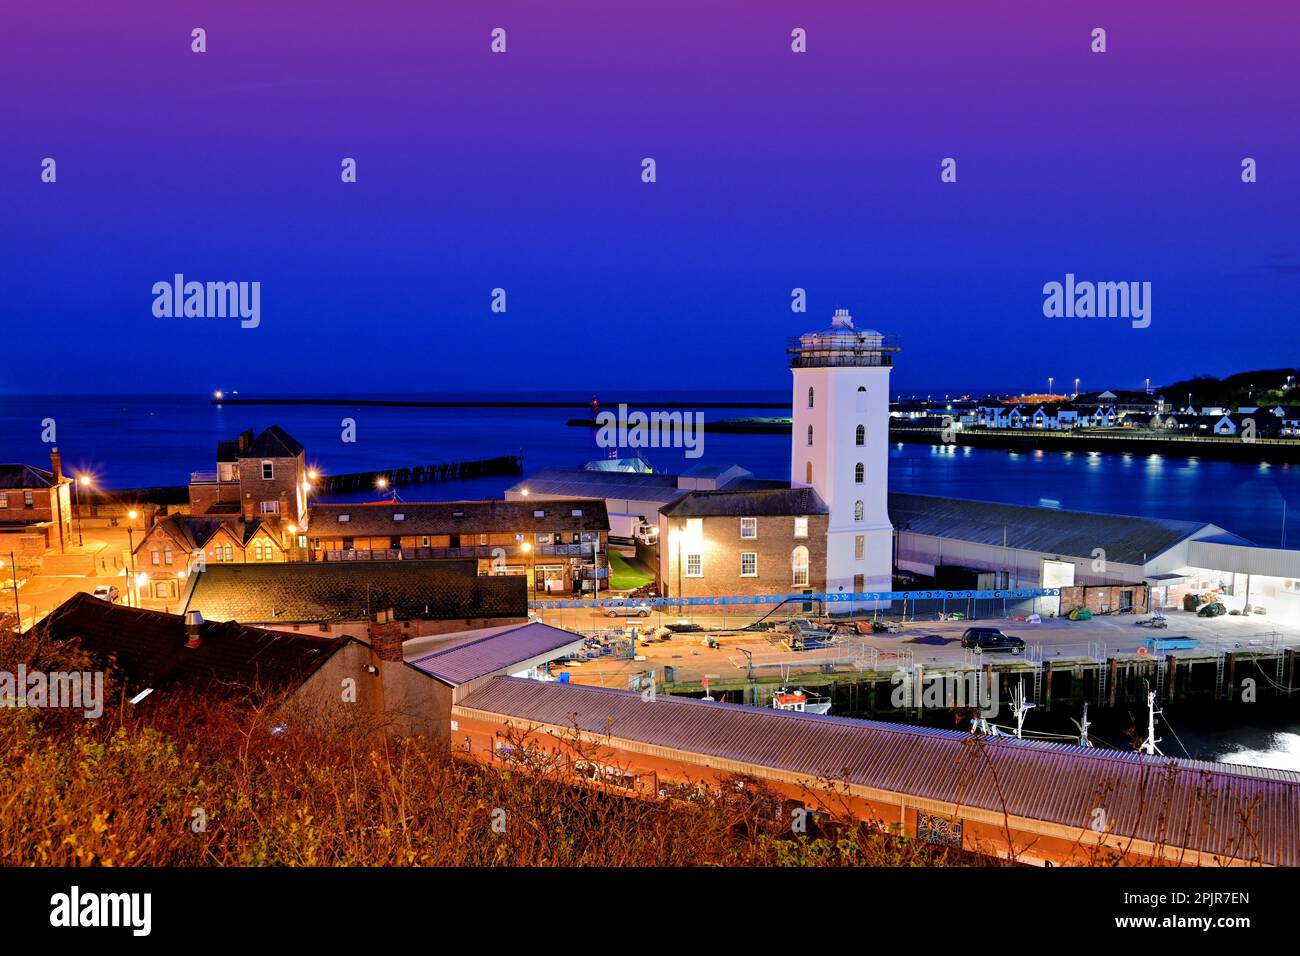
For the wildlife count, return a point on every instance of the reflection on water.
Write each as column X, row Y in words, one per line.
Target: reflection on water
column 1281, row 753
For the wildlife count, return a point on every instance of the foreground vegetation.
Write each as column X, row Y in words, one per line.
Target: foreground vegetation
column 184, row 781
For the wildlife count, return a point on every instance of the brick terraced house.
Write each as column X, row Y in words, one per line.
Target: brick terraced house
column 560, row 546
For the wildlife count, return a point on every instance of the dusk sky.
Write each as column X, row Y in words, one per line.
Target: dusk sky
column 522, row 170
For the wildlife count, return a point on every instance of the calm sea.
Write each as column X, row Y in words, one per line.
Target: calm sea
column 135, row 441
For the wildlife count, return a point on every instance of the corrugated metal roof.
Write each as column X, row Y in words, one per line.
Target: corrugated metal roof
column 1197, row 804
column 1125, row 539
column 1218, row 555
column 497, row 652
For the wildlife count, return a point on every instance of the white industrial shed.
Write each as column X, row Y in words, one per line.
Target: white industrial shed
column 1046, row 547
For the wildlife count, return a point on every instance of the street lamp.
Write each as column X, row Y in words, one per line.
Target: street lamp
column 81, row 480
column 531, row 576
column 130, row 546
column 13, row 571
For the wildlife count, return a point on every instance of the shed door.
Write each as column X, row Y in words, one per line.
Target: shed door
column 1056, row 574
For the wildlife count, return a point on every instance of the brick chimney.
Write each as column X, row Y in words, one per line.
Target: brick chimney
column 386, row 640
column 193, row 629
column 245, row 439
column 56, row 465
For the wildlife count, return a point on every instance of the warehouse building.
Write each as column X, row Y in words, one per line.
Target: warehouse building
column 1103, row 561
column 1000, row 797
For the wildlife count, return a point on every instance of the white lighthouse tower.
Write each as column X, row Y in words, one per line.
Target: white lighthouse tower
column 840, row 447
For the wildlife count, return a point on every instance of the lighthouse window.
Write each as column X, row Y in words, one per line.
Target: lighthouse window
column 810, row 433
column 808, row 470
column 860, row 437
column 810, row 397
column 859, row 473
column 857, row 511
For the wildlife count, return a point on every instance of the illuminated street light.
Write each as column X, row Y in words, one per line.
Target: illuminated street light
column 381, row 482
column 130, row 546
column 82, row 480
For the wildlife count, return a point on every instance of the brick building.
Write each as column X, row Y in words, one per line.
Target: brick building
column 763, row 541
column 560, row 546
column 252, row 508
column 180, row 544
column 257, row 478
column 35, row 508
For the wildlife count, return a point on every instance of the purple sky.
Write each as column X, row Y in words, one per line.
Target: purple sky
column 776, row 170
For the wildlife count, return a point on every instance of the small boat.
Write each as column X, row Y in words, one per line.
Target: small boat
column 800, row 701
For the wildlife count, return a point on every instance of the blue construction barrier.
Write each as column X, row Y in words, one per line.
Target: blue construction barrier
column 1013, row 594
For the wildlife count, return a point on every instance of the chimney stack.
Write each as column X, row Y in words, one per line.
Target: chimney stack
column 56, row 465
column 245, row 439
column 193, row 627
column 386, row 641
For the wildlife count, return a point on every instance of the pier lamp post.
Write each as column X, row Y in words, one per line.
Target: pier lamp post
column 81, row 480
column 130, row 547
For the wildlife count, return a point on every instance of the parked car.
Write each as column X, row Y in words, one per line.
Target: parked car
column 628, row 609
column 1212, row 610
column 991, row 639
column 107, row 592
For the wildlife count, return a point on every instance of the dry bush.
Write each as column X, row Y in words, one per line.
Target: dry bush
column 239, row 780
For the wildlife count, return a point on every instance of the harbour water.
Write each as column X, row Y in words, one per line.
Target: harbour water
column 137, row 441
column 148, row 440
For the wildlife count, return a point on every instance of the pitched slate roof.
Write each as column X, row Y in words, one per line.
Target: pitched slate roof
column 579, row 483
column 1160, row 799
column 228, row 450
column 194, row 531
column 499, row 651
column 756, row 503
column 274, row 442
column 318, row 591
column 456, row 517
column 1126, row 539
column 25, row 476
column 149, row 647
